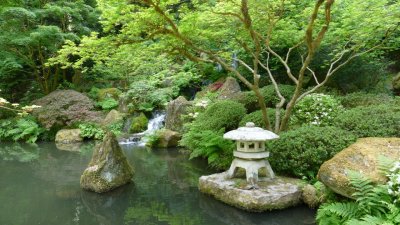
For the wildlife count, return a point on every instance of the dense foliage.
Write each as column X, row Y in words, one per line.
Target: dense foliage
column 371, row 121
column 373, row 205
column 204, row 135
column 316, row 109
column 301, row 152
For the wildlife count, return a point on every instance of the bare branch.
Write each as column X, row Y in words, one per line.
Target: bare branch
column 285, row 64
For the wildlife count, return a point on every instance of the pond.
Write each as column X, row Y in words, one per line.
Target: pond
column 39, row 184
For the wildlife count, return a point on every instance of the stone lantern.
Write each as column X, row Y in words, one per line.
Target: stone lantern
column 250, row 154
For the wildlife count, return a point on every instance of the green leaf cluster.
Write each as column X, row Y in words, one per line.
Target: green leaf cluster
column 20, row 129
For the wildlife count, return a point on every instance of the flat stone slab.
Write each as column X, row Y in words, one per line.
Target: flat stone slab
column 277, row 193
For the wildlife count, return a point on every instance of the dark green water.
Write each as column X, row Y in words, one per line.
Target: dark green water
column 39, row 184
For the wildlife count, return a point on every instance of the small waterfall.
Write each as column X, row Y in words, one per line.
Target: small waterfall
column 155, row 123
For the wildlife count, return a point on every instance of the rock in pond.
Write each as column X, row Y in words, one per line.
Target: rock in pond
column 361, row 157
column 67, row 136
column 168, row 138
column 277, row 193
column 108, row 168
column 175, row 110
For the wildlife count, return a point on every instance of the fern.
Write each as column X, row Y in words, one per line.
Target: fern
column 345, row 211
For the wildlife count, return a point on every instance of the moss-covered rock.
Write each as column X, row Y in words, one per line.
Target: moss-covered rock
column 139, row 123
column 229, row 90
column 67, row 136
column 165, row 139
column 315, row 195
column 108, row 93
column 113, row 117
column 108, row 168
column 361, row 157
column 175, row 110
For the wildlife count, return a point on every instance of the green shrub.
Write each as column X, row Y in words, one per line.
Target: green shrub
column 20, row 129
column 301, row 152
column 222, row 114
column 139, row 123
column 364, row 99
column 108, row 104
column 116, row 128
column 257, row 118
column 211, row 145
column 204, row 136
column 145, row 96
column 103, row 94
column 371, row 121
column 91, row 131
column 316, row 109
column 250, row 101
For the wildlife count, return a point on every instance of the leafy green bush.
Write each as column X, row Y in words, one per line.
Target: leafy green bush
column 301, row 152
column 204, row 136
column 257, row 118
column 116, row 128
column 146, row 96
column 373, row 205
column 364, row 99
column 250, row 100
column 20, row 129
column 108, row 104
column 209, row 144
column 316, row 109
column 371, row 121
column 221, row 114
column 139, row 123
column 91, row 131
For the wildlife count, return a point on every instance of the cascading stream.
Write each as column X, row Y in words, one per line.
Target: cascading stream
column 155, row 123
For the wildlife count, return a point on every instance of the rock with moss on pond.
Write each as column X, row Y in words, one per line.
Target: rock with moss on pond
column 277, row 193
column 363, row 157
column 108, row 168
column 139, row 123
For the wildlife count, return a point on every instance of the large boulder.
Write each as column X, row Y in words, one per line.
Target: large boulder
column 65, row 107
column 113, row 117
column 361, row 157
column 230, row 89
column 108, row 168
column 175, row 110
column 167, row 138
column 67, row 136
column 277, row 193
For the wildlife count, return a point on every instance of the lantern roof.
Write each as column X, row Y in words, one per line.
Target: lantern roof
column 250, row 133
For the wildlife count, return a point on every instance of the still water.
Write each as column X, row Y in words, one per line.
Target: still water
column 39, row 184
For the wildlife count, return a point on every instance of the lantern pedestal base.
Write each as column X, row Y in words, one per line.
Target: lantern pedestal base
column 251, row 167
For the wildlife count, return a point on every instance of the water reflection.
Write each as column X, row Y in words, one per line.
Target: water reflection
column 40, row 185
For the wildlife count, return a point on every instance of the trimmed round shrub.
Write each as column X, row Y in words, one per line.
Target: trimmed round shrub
column 222, row 114
column 316, row 109
column 371, row 121
column 364, row 99
column 301, row 152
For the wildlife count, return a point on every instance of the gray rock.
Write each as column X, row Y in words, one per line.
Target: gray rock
column 175, row 110
column 278, row 193
column 230, row 89
column 361, row 157
column 113, row 117
column 168, row 138
column 108, row 168
column 67, row 136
